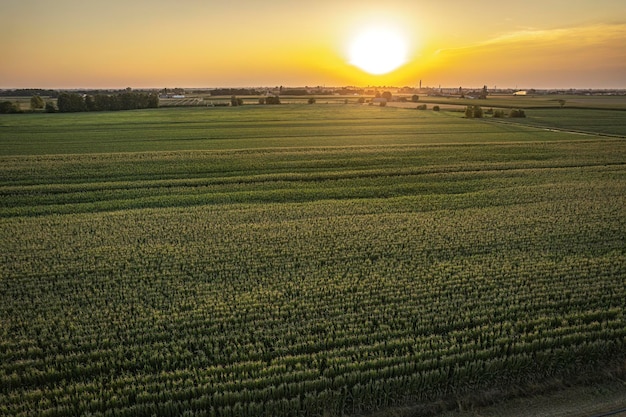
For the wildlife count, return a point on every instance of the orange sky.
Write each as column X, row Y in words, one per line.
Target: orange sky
column 204, row 43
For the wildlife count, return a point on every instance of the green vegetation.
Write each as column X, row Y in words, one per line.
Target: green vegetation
column 609, row 122
column 536, row 102
column 517, row 113
column 473, row 112
column 301, row 260
column 247, row 127
column 6, row 107
column 36, row 102
column 74, row 102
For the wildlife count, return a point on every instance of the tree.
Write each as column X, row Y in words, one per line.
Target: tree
column 311, row 100
column 50, row 107
column 473, row 112
column 415, row 98
column 153, row 101
column 387, row 95
column 90, row 103
column 36, row 102
column 71, row 102
column 562, row 103
column 7, row 107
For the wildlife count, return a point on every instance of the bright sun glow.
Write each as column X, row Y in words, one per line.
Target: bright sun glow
column 378, row 51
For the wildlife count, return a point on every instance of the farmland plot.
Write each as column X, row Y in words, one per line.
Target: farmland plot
column 307, row 279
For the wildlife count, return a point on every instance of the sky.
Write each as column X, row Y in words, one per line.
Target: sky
column 251, row 43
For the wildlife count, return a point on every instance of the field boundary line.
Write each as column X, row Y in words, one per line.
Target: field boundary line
column 557, row 129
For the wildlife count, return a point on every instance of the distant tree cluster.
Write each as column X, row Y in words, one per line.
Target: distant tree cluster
column 499, row 113
column 272, row 100
column 28, row 92
column 7, row 107
column 473, row 112
column 235, row 92
column 347, row 91
column 294, row 92
column 74, row 102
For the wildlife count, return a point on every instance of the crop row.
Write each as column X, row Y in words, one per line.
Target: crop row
column 286, row 282
column 234, row 312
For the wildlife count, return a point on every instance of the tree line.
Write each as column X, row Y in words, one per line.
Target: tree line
column 74, row 102
column 27, row 92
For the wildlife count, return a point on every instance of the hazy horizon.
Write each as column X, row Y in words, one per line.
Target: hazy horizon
column 70, row 44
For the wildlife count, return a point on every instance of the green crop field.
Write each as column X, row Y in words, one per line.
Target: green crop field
column 301, row 260
column 251, row 127
column 607, row 122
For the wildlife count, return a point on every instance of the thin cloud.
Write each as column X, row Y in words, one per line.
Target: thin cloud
column 531, row 39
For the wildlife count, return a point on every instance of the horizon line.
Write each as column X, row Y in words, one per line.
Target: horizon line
column 495, row 88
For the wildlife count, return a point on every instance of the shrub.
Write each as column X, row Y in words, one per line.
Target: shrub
column 473, row 112
column 272, row 100
column 422, row 107
column 435, row 108
column 517, row 113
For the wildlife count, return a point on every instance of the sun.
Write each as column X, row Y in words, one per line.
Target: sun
column 378, row 51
